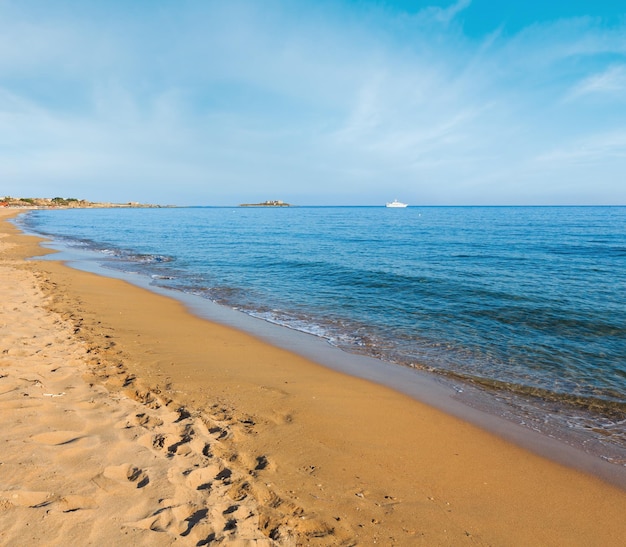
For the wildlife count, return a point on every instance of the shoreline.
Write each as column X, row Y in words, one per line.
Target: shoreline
column 454, row 395
column 327, row 458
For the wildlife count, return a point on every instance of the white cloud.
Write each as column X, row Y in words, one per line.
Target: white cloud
column 441, row 15
column 609, row 82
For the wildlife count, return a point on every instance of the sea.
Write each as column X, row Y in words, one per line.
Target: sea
column 524, row 304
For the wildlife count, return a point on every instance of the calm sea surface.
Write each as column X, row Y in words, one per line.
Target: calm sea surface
column 526, row 301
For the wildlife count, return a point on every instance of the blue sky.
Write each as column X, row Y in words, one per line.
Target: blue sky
column 314, row 102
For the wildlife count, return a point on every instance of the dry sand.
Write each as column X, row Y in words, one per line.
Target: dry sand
column 128, row 421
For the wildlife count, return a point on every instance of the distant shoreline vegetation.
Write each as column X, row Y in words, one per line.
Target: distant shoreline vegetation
column 273, row 203
column 64, row 203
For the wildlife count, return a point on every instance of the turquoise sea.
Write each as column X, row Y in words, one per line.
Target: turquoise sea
column 529, row 303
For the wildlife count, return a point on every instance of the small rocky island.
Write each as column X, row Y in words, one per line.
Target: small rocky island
column 274, row 203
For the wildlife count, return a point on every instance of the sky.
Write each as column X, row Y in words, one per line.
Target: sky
column 325, row 102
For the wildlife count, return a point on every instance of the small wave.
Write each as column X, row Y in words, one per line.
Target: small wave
column 608, row 407
column 154, row 259
column 292, row 323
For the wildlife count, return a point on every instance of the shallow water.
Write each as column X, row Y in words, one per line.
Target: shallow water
column 528, row 302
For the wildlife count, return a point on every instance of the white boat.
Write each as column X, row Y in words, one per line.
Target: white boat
column 396, row 203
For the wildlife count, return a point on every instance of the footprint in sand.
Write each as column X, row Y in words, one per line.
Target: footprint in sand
column 127, row 473
column 147, row 421
column 71, row 503
column 180, row 446
column 179, row 519
column 201, row 478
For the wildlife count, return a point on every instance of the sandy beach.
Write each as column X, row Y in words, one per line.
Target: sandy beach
column 126, row 420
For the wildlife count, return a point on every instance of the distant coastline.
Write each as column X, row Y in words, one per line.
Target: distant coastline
column 68, row 203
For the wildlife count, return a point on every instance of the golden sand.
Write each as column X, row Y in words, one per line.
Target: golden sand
column 128, row 421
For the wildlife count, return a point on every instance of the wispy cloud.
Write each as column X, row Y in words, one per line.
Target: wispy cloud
column 611, row 82
column 443, row 15
column 594, row 149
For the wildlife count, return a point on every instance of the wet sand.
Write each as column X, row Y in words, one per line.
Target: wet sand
column 128, row 420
